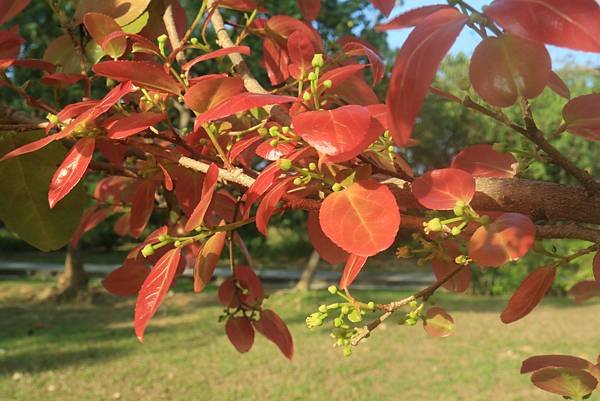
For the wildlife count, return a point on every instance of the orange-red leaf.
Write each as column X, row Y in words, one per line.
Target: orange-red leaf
column 410, row 18
column 385, row 6
column 572, row 23
column 147, row 74
column 273, row 328
column 504, row 68
column 10, row 8
column 341, row 134
column 416, row 65
column 441, row 189
column 239, row 103
column 301, row 52
column 71, row 170
column 142, row 206
column 567, row 382
column 208, row 188
column 327, row 250
column 309, row 8
column 240, row 332
column 559, row 361
column 362, row 219
column 154, row 289
column 267, row 206
column 354, row 265
column 127, row 279
column 207, row 260
column 508, row 238
column 585, row 290
column 100, row 25
column 460, row 281
column 438, row 322
column 582, row 116
column 559, row 86
column 529, row 294
column 133, row 123
column 245, row 50
column 211, row 92
column 483, row 161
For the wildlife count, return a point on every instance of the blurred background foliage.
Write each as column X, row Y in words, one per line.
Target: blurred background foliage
column 443, row 129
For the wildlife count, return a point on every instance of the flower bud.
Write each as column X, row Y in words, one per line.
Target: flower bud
column 336, row 187
column 284, row 164
column 147, row 250
column 318, row 61
column 347, row 351
column 312, row 166
column 306, row 96
column 298, row 181
column 322, row 308
column 327, row 83
column 162, row 38
column 332, row 289
column 434, row 225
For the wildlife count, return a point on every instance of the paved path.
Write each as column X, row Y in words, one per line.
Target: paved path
column 271, row 277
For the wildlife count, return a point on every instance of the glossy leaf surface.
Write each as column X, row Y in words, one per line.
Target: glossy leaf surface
column 529, row 294
column 483, row 161
column 354, row 265
column 441, row 189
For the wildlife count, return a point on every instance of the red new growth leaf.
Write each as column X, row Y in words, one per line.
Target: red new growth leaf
column 483, row 161
column 585, row 290
column 582, row 116
column 504, row 68
column 416, row 66
column 442, row 267
column 357, row 47
column 438, row 322
column 245, row 50
column 508, row 238
column 411, row 17
column 354, row 265
column 385, row 6
column 208, row 188
column 558, row 361
column 127, row 279
column 90, row 219
column 240, row 332
column 441, row 189
column 341, row 134
column 572, row 24
column 269, row 203
column 154, row 289
column 269, row 152
column 572, row 383
column 596, row 266
column 240, row 103
column 207, row 260
column 211, row 92
column 72, row 169
column 362, row 219
column 252, row 292
column 301, row 52
column 142, row 206
column 327, row 250
column 559, row 86
column 309, row 9
column 10, row 8
column 147, row 74
column 133, row 123
column 529, row 294
column 273, row 328
column 100, row 25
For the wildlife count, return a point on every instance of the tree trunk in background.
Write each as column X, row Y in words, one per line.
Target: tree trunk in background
column 73, row 280
column 308, row 273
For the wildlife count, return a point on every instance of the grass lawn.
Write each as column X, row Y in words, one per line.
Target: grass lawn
column 89, row 352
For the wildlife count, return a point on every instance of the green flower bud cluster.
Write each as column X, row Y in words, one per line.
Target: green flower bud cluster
column 412, row 317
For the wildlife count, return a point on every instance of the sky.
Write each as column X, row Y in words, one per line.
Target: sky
column 468, row 39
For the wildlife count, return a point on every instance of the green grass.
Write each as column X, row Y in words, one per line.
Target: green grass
column 89, row 352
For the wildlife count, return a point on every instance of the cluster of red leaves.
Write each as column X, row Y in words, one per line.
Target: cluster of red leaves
column 358, row 216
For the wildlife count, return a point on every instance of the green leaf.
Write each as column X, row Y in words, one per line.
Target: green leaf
column 24, row 202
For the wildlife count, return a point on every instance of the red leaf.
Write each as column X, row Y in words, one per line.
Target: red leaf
column 207, row 260
column 253, row 292
column 339, row 75
column 273, row 328
column 209, row 93
column 127, row 279
column 596, row 266
column 269, row 204
column 61, row 80
column 483, row 161
column 142, row 206
column 208, row 188
column 585, row 290
column 572, row 383
column 167, row 180
column 385, row 6
column 133, row 123
column 90, row 219
column 240, row 332
column 71, row 170
column 272, row 153
column 354, row 265
column 572, row 24
column 309, row 9
column 416, row 66
column 341, row 134
column 461, row 281
column 327, row 250
column 31, row 146
column 100, row 25
column 11, row 8
column 508, row 238
column 301, row 52
column 363, row 219
column 240, row 103
column 357, row 47
column 245, row 50
column 582, row 116
column 441, row 189
column 559, row 86
column 276, row 62
column 154, row 289
column 529, row 294
column 559, row 361
column 147, row 74
column 504, row 68
column 411, row 17
column 438, row 322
